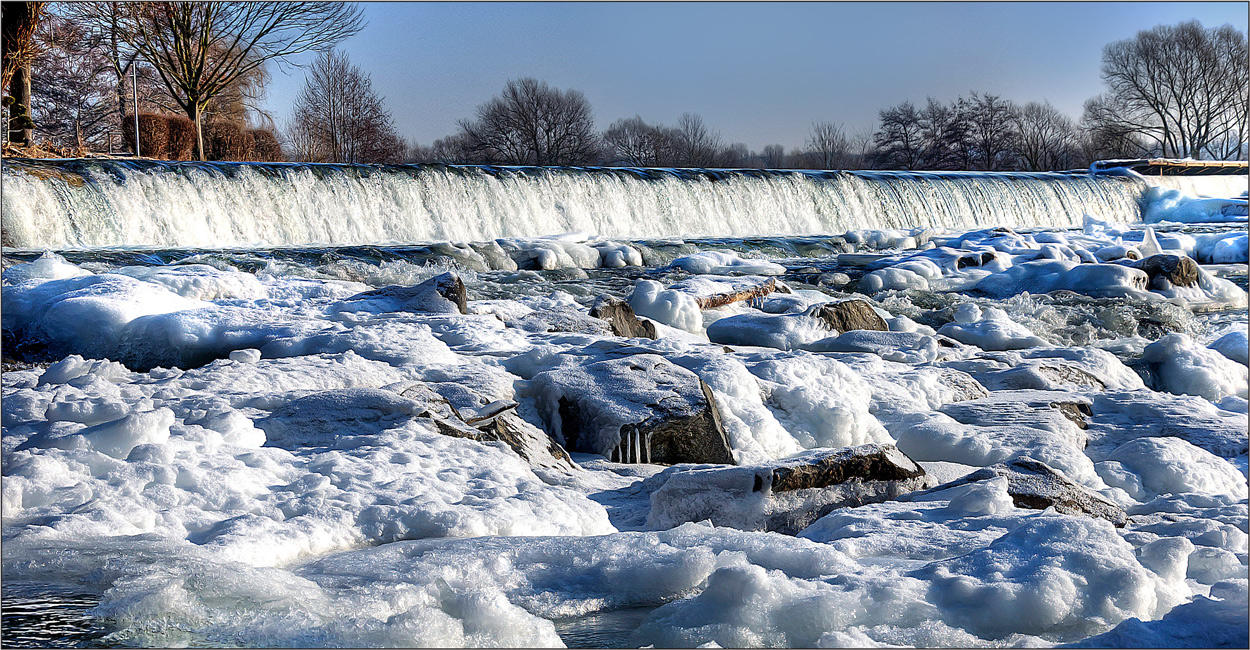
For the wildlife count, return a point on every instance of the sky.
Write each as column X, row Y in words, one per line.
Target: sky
column 759, row 73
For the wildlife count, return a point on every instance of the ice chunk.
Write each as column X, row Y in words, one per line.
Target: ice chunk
column 1186, row 368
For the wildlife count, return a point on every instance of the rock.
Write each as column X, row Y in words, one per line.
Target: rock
column 1036, row 485
column 494, row 422
column 783, row 496
column 964, row 385
column 441, row 294
column 974, row 259
column 634, row 409
column 834, row 279
column 848, row 315
column 562, row 320
column 621, row 318
column 1166, row 271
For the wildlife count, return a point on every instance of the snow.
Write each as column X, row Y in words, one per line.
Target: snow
column 257, row 458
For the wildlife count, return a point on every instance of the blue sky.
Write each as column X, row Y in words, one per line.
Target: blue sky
column 759, row 73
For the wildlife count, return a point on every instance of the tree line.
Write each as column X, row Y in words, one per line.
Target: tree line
column 198, row 71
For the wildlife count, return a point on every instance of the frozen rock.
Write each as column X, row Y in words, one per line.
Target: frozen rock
column 1120, row 416
column 621, row 318
column 902, row 347
column 989, row 329
column 639, row 408
column 1036, row 485
column 670, row 307
column 725, row 263
column 1166, row 271
column 562, row 320
column 848, row 315
column 441, row 294
column 783, row 496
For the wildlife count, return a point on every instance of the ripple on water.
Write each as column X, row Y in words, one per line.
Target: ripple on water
column 41, row 615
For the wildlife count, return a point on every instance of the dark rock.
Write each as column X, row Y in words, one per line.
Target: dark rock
column 621, row 318
column 783, row 496
column 638, row 408
column 1166, row 271
column 848, row 315
column 824, row 467
column 1036, row 485
column 444, row 293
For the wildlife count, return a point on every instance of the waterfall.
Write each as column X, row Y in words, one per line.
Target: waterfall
column 98, row 203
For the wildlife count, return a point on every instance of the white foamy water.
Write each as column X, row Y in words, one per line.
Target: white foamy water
column 96, row 203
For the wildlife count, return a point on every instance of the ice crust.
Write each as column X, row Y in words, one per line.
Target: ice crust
column 250, row 458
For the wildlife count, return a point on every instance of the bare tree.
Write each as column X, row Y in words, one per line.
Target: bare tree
column 945, row 132
column 636, row 143
column 992, row 122
column 1047, row 140
column 1183, row 87
column 827, row 146
column 18, row 48
column 339, row 118
column 531, row 123
column 72, row 99
column 200, row 48
column 899, row 141
column 694, row 144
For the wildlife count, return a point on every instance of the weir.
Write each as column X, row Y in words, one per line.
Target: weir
column 85, row 203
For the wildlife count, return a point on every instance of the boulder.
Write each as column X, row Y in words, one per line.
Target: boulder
column 635, row 409
column 783, row 496
column 1036, row 485
column 1166, row 271
column 848, row 315
column 621, row 318
column 441, row 294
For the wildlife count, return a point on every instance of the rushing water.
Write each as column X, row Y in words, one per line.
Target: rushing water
column 88, row 203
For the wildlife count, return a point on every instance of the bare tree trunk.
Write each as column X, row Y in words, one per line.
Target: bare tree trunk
column 193, row 112
column 19, row 88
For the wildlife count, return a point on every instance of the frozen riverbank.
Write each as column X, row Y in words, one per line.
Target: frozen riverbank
column 271, row 447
